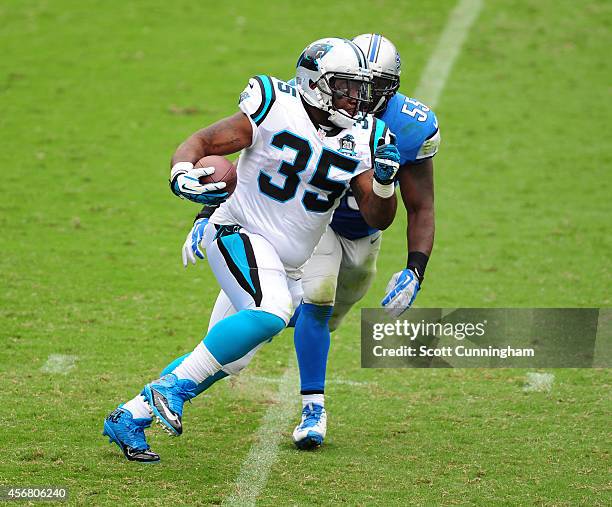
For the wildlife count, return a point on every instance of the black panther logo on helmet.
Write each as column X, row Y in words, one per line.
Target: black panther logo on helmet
column 309, row 57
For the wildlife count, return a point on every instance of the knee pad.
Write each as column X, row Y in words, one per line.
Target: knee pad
column 320, row 290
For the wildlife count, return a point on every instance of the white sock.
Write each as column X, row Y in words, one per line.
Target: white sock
column 317, row 399
column 138, row 408
column 198, row 365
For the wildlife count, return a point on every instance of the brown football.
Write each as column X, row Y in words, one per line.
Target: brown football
column 224, row 171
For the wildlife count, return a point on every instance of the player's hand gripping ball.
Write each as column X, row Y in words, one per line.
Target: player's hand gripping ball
column 210, row 181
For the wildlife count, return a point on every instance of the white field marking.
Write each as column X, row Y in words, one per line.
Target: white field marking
column 256, row 468
column 59, row 363
column 263, row 453
column 539, row 382
column 449, row 45
column 275, row 380
column 346, row 382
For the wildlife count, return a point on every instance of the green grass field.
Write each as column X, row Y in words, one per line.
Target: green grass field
column 94, row 98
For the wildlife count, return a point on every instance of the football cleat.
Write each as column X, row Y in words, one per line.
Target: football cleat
column 166, row 397
column 128, row 433
column 310, row 433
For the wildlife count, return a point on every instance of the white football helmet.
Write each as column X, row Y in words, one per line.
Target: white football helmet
column 331, row 69
column 385, row 62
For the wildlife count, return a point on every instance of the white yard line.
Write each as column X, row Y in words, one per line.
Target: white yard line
column 332, row 381
column 346, row 382
column 449, row 45
column 255, row 469
column 59, row 363
column 539, row 382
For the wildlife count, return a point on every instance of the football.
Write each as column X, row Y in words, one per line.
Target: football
column 224, row 171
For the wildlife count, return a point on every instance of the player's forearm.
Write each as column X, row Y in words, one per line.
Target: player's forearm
column 378, row 212
column 417, row 188
column 421, row 230
column 223, row 137
column 191, row 150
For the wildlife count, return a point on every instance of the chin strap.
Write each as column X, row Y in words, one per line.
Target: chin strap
column 341, row 120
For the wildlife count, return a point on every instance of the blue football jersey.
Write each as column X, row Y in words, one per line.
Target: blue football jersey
column 418, row 137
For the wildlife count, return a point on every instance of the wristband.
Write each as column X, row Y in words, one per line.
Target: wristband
column 383, row 191
column 180, row 168
column 417, row 262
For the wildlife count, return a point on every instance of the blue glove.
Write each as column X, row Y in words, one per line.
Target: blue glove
column 401, row 292
column 192, row 247
column 185, row 183
column 386, row 163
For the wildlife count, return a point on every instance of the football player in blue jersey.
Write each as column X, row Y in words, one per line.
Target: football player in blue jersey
column 343, row 266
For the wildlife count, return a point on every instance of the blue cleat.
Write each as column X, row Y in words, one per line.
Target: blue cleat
column 310, row 433
column 128, row 433
column 166, row 397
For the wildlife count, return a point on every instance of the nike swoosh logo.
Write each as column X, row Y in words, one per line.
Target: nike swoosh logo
column 372, row 241
column 168, row 413
column 250, row 85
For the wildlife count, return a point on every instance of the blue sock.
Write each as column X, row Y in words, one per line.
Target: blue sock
column 232, row 337
column 295, row 316
column 202, row 386
column 312, row 341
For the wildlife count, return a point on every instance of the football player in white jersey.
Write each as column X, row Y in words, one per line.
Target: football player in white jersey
column 343, row 265
column 302, row 148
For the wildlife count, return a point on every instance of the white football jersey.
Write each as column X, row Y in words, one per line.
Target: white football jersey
column 291, row 178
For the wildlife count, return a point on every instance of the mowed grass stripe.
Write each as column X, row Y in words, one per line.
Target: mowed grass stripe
column 256, row 467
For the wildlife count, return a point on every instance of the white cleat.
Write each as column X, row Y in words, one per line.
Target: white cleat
column 310, row 433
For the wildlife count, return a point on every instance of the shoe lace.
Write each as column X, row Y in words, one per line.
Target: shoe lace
column 138, row 438
column 187, row 393
column 179, row 396
column 180, row 392
column 312, row 416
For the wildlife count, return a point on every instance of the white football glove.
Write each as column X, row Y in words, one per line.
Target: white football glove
column 192, row 248
column 185, row 183
column 401, row 292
